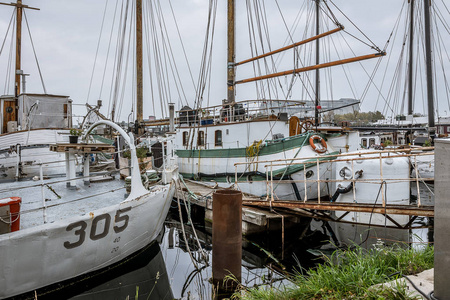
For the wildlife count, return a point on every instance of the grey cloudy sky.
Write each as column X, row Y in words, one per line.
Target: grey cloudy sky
column 65, row 35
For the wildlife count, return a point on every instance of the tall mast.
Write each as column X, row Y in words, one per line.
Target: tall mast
column 18, row 46
column 430, row 93
column 316, row 106
column 19, row 11
column 231, row 74
column 139, row 81
column 411, row 59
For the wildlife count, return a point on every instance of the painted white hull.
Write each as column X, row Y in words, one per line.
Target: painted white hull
column 394, row 190
column 34, row 149
column 41, row 255
column 286, row 191
column 217, row 165
column 258, row 164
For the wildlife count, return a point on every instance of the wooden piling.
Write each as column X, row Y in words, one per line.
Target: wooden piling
column 227, row 238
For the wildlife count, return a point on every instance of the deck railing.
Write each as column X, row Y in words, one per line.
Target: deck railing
column 315, row 161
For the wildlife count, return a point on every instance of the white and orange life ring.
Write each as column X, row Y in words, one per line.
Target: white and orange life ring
column 319, row 148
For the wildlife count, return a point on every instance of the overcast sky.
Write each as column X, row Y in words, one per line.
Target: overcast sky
column 65, row 35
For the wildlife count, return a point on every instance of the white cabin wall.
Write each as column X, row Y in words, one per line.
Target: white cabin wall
column 234, row 135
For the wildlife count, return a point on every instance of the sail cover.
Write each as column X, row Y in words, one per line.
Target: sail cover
column 44, row 111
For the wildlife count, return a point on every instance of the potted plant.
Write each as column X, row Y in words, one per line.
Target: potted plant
column 74, row 134
column 143, row 155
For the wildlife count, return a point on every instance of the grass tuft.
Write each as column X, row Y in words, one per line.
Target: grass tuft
column 349, row 273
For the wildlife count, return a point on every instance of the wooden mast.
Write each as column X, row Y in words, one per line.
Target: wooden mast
column 18, row 47
column 411, row 59
column 19, row 12
column 231, row 71
column 317, row 94
column 139, row 77
column 430, row 92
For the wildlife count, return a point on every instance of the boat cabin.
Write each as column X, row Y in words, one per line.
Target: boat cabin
column 35, row 111
column 233, row 126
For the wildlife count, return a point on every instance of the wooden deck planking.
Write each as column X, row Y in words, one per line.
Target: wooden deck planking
column 82, row 148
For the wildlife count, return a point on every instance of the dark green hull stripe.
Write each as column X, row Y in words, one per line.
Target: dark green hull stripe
column 268, row 148
column 285, row 172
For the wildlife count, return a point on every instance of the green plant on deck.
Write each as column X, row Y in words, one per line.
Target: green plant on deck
column 388, row 143
column 349, row 274
column 75, row 132
column 427, row 143
column 141, row 152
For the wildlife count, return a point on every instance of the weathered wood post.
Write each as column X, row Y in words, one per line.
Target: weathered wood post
column 442, row 219
column 227, row 238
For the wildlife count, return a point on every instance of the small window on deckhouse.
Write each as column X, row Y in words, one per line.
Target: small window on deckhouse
column 185, row 138
column 201, row 138
column 364, row 143
column 218, row 138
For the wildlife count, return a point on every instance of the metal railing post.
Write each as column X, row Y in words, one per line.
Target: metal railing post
column 382, row 181
column 44, row 205
column 304, row 180
column 417, row 181
column 354, row 181
column 318, row 180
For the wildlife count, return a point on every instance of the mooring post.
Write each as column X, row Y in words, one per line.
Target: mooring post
column 171, row 117
column 86, row 179
column 227, row 238
column 442, row 219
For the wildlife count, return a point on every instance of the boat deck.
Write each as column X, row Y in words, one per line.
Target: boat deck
column 62, row 202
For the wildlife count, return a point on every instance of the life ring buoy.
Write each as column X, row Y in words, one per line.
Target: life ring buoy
column 319, row 148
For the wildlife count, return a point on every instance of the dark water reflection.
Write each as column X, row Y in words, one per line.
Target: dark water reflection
column 263, row 261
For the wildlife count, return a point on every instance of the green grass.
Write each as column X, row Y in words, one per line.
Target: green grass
column 348, row 274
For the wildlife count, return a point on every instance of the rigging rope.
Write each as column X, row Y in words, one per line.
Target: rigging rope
column 182, row 45
column 34, row 52
column 7, row 31
column 253, row 149
column 373, row 44
column 96, row 52
column 10, row 69
column 107, row 56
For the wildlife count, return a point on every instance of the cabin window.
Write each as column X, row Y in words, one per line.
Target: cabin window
column 201, row 138
column 371, row 142
column 218, row 138
column 185, row 138
column 364, row 143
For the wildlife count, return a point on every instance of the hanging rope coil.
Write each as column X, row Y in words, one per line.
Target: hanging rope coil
column 253, row 149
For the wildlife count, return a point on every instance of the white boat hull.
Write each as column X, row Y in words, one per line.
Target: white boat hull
column 42, row 255
column 388, row 182
column 222, row 169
